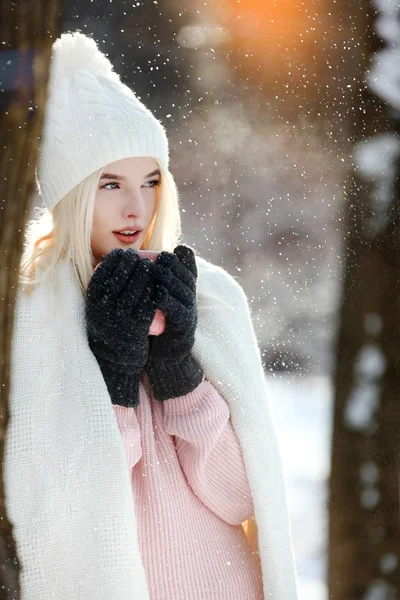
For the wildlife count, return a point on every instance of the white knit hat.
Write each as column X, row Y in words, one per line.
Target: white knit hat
column 92, row 119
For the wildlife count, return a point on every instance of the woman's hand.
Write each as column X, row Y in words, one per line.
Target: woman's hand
column 171, row 369
column 120, row 306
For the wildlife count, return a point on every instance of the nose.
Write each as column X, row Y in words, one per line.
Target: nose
column 133, row 205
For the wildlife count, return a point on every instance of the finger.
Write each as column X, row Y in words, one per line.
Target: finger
column 104, row 270
column 139, row 296
column 178, row 288
column 178, row 316
column 110, row 281
column 111, row 260
column 187, row 257
column 165, row 258
column 171, row 261
column 100, row 281
column 183, row 273
column 140, row 283
column 126, row 269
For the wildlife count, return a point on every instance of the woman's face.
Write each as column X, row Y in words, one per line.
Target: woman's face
column 126, row 199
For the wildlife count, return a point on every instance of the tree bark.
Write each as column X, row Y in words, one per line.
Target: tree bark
column 27, row 30
column 364, row 522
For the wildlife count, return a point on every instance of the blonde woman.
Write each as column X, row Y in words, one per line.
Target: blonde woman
column 138, row 466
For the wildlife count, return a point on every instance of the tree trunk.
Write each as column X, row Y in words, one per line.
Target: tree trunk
column 27, row 30
column 364, row 521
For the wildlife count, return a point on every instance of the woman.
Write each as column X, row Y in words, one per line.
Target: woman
column 135, row 465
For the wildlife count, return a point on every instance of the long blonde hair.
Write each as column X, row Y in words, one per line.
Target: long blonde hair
column 65, row 233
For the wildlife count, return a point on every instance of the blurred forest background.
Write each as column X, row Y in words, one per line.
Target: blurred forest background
column 255, row 98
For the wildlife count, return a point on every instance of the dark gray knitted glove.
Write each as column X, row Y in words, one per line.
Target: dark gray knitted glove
column 171, row 369
column 120, row 306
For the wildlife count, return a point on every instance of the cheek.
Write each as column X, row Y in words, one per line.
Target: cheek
column 99, row 223
column 101, row 214
column 152, row 207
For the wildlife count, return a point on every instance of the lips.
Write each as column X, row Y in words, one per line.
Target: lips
column 127, row 239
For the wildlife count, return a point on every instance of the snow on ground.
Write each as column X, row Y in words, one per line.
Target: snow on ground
column 302, row 408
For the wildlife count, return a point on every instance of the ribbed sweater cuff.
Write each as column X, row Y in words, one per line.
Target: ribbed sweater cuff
column 183, row 404
column 173, row 379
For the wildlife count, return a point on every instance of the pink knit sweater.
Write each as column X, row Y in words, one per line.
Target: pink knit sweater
column 191, row 494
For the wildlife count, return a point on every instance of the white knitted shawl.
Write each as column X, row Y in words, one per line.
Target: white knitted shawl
column 68, row 488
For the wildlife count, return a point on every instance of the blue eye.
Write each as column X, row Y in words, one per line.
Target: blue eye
column 153, row 182
column 111, row 183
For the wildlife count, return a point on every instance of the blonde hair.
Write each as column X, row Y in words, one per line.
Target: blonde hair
column 65, row 233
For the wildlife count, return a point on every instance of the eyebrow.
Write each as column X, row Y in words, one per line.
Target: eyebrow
column 122, row 178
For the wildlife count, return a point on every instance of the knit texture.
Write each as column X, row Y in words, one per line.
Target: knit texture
column 120, row 306
column 67, row 483
column 174, row 378
column 92, row 119
column 172, row 370
column 191, row 492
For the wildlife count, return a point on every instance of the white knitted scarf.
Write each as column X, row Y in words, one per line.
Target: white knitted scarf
column 68, row 488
